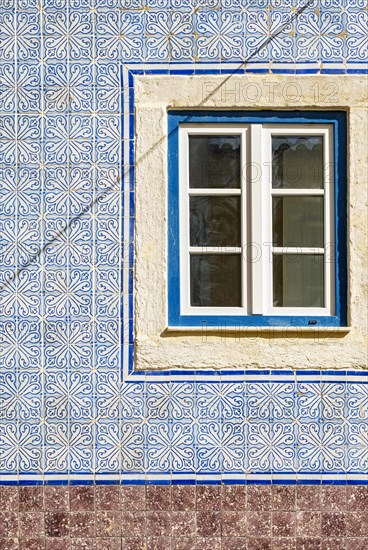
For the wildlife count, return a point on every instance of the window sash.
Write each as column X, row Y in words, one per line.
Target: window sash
column 256, row 194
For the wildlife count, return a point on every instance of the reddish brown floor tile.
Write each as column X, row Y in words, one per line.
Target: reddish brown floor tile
column 333, row 524
column 259, row 544
column 183, row 543
column 82, row 498
column 184, row 524
column 208, row 524
column 333, row 544
column 9, row 544
column 357, row 498
column 357, row 524
column 32, row 544
column 158, row 524
column 133, row 524
column 31, row 499
column 308, row 544
column 83, row 544
column 158, row 498
column 58, row 544
column 31, row 523
column 308, row 497
column 56, row 498
column 210, row 543
column 57, row 524
column 208, row 497
column 234, row 543
column 283, row 524
column 158, row 543
column 259, row 497
column 357, row 544
column 258, row 524
column 234, row 524
column 108, row 544
column 108, row 524
column 334, row 498
column 107, row 497
column 308, row 524
column 9, row 501
column 243, row 516
column 183, row 497
column 283, row 543
column 233, row 497
column 9, row 524
column 133, row 497
column 283, row 498
column 82, row 524
column 133, row 543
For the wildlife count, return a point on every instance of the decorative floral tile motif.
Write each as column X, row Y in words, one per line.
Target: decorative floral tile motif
column 65, row 326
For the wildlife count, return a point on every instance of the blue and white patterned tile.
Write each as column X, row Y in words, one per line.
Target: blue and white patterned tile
column 20, row 88
column 170, row 400
column 272, row 401
column 272, row 446
column 322, row 446
column 67, row 35
column 108, row 339
column 357, row 446
column 219, row 35
column 60, row 188
column 357, row 402
column 120, row 35
column 69, row 447
column 20, row 293
column 221, row 446
column 68, row 345
column 30, row 450
column 357, row 39
column 20, row 341
column 68, row 244
column 68, row 293
column 21, row 396
column 69, row 88
column 21, row 251
column 170, row 447
column 170, row 36
column 27, row 148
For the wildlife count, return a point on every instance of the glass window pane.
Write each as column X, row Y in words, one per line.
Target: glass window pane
column 215, row 221
column 215, row 280
column 297, row 162
column 298, row 221
column 298, row 280
column 214, row 161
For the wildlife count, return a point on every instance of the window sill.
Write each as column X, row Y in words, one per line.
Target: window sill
column 257, row 330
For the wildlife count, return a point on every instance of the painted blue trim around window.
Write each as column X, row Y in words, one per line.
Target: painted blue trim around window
column 338, row 120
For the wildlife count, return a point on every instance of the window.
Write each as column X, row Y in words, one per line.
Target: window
column 255, row 239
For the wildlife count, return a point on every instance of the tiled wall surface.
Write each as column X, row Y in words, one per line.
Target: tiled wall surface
column 184, row 517
column 66, row 409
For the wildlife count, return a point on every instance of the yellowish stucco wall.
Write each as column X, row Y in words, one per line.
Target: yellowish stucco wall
column 158, row 348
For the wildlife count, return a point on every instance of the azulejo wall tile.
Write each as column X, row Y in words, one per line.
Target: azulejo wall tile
column 20, row 296
column 220, row 34
column 357, row 41
column 68, row 344
column 66, row 315
column 20, row 395
column 20, row 344
column 108, row 333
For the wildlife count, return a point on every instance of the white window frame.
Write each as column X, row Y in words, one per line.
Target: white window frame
column 256, row 218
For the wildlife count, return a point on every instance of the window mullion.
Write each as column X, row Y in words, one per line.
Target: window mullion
column 257, row 216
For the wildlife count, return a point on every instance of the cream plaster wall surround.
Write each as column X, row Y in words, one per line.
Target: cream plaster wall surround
column 157, row 348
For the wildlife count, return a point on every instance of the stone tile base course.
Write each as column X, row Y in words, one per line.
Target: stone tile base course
column 179, row 517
